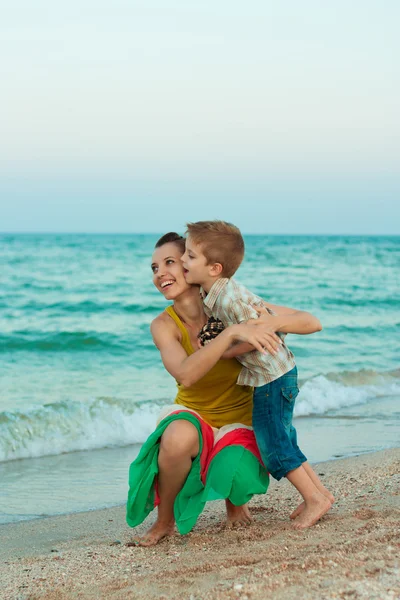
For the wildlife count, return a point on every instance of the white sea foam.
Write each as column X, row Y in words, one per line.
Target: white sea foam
column 71, row 426
column 68, row 427
column 322, row 394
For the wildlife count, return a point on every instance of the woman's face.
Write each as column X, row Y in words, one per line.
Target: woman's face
column 168, row 274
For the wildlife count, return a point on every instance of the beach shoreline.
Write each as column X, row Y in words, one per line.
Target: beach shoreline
column 352, row 553
column 80, row 481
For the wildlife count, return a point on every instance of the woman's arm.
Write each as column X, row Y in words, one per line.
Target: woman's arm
column 187, row 370
column 238, row 349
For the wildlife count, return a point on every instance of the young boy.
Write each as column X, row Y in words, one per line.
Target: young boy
column 214, row 252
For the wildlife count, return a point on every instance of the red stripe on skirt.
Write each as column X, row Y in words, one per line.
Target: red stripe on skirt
column 207, row 434
column 237, row 437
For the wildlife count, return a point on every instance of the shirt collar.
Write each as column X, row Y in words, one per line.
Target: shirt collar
column 217, row 287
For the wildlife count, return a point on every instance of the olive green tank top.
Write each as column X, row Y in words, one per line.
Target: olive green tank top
column 216, row 396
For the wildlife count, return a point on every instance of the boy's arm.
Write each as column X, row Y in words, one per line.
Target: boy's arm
column 282, row 320
column 286, row 320
column 279, row 319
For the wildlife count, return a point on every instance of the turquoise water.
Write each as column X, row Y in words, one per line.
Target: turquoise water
column 81, row 382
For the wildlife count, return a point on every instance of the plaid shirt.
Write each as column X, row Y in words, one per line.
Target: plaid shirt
column 231, row 302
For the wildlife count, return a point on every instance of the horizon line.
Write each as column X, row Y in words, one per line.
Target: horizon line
column 127, row 233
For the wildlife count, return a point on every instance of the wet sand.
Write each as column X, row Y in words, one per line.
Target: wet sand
column 353, row 552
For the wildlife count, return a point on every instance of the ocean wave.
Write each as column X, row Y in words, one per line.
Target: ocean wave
column 70, row 426
column 86, row 307
column 362, row 302
column 334, row 391
column 60, row 341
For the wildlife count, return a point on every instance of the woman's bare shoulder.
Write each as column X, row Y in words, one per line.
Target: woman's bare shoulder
column 164, row 324
column 162, row 318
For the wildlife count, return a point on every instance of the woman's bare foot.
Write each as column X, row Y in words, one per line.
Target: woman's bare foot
column 237, row 515
column 314, row 509
column 155, row 534
column 301, row 506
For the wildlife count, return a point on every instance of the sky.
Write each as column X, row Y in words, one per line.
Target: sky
column 138, row 116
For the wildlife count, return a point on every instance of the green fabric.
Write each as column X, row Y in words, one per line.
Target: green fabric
column 144, row 469
column 234, row 473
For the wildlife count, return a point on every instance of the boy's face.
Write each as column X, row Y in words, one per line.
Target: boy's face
column 195, row 263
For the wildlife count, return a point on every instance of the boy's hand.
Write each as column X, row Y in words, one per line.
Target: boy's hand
column 265, row 318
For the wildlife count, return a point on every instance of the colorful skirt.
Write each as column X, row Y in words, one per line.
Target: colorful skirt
column 228, row 466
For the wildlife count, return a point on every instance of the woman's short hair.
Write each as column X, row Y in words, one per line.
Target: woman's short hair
column 172, row 238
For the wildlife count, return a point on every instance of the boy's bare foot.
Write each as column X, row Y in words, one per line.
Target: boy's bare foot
column 237, row 515
column 302, row 505
column 155, row 534
column 314, row 509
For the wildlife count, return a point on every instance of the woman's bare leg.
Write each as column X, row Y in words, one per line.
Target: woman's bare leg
column 178, row 447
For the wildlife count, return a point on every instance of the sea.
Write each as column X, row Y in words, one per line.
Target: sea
column 81, row 382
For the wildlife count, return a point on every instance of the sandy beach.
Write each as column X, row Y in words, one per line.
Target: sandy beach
column 354, row 552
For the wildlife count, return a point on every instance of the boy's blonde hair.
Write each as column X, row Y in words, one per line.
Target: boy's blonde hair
column 220, row 242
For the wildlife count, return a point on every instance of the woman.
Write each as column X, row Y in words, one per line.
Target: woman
column 203, row 445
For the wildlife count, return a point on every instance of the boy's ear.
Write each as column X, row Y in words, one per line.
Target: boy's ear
column 216, row 269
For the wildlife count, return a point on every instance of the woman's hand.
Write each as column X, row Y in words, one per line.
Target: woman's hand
column 259, row 335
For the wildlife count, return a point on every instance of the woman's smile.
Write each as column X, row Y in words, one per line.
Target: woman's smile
column 169, row 282
column 165, row 284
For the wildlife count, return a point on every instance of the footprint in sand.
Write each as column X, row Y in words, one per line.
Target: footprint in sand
column 365, row 513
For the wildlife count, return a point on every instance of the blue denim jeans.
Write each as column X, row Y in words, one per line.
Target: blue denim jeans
column 273, row 405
